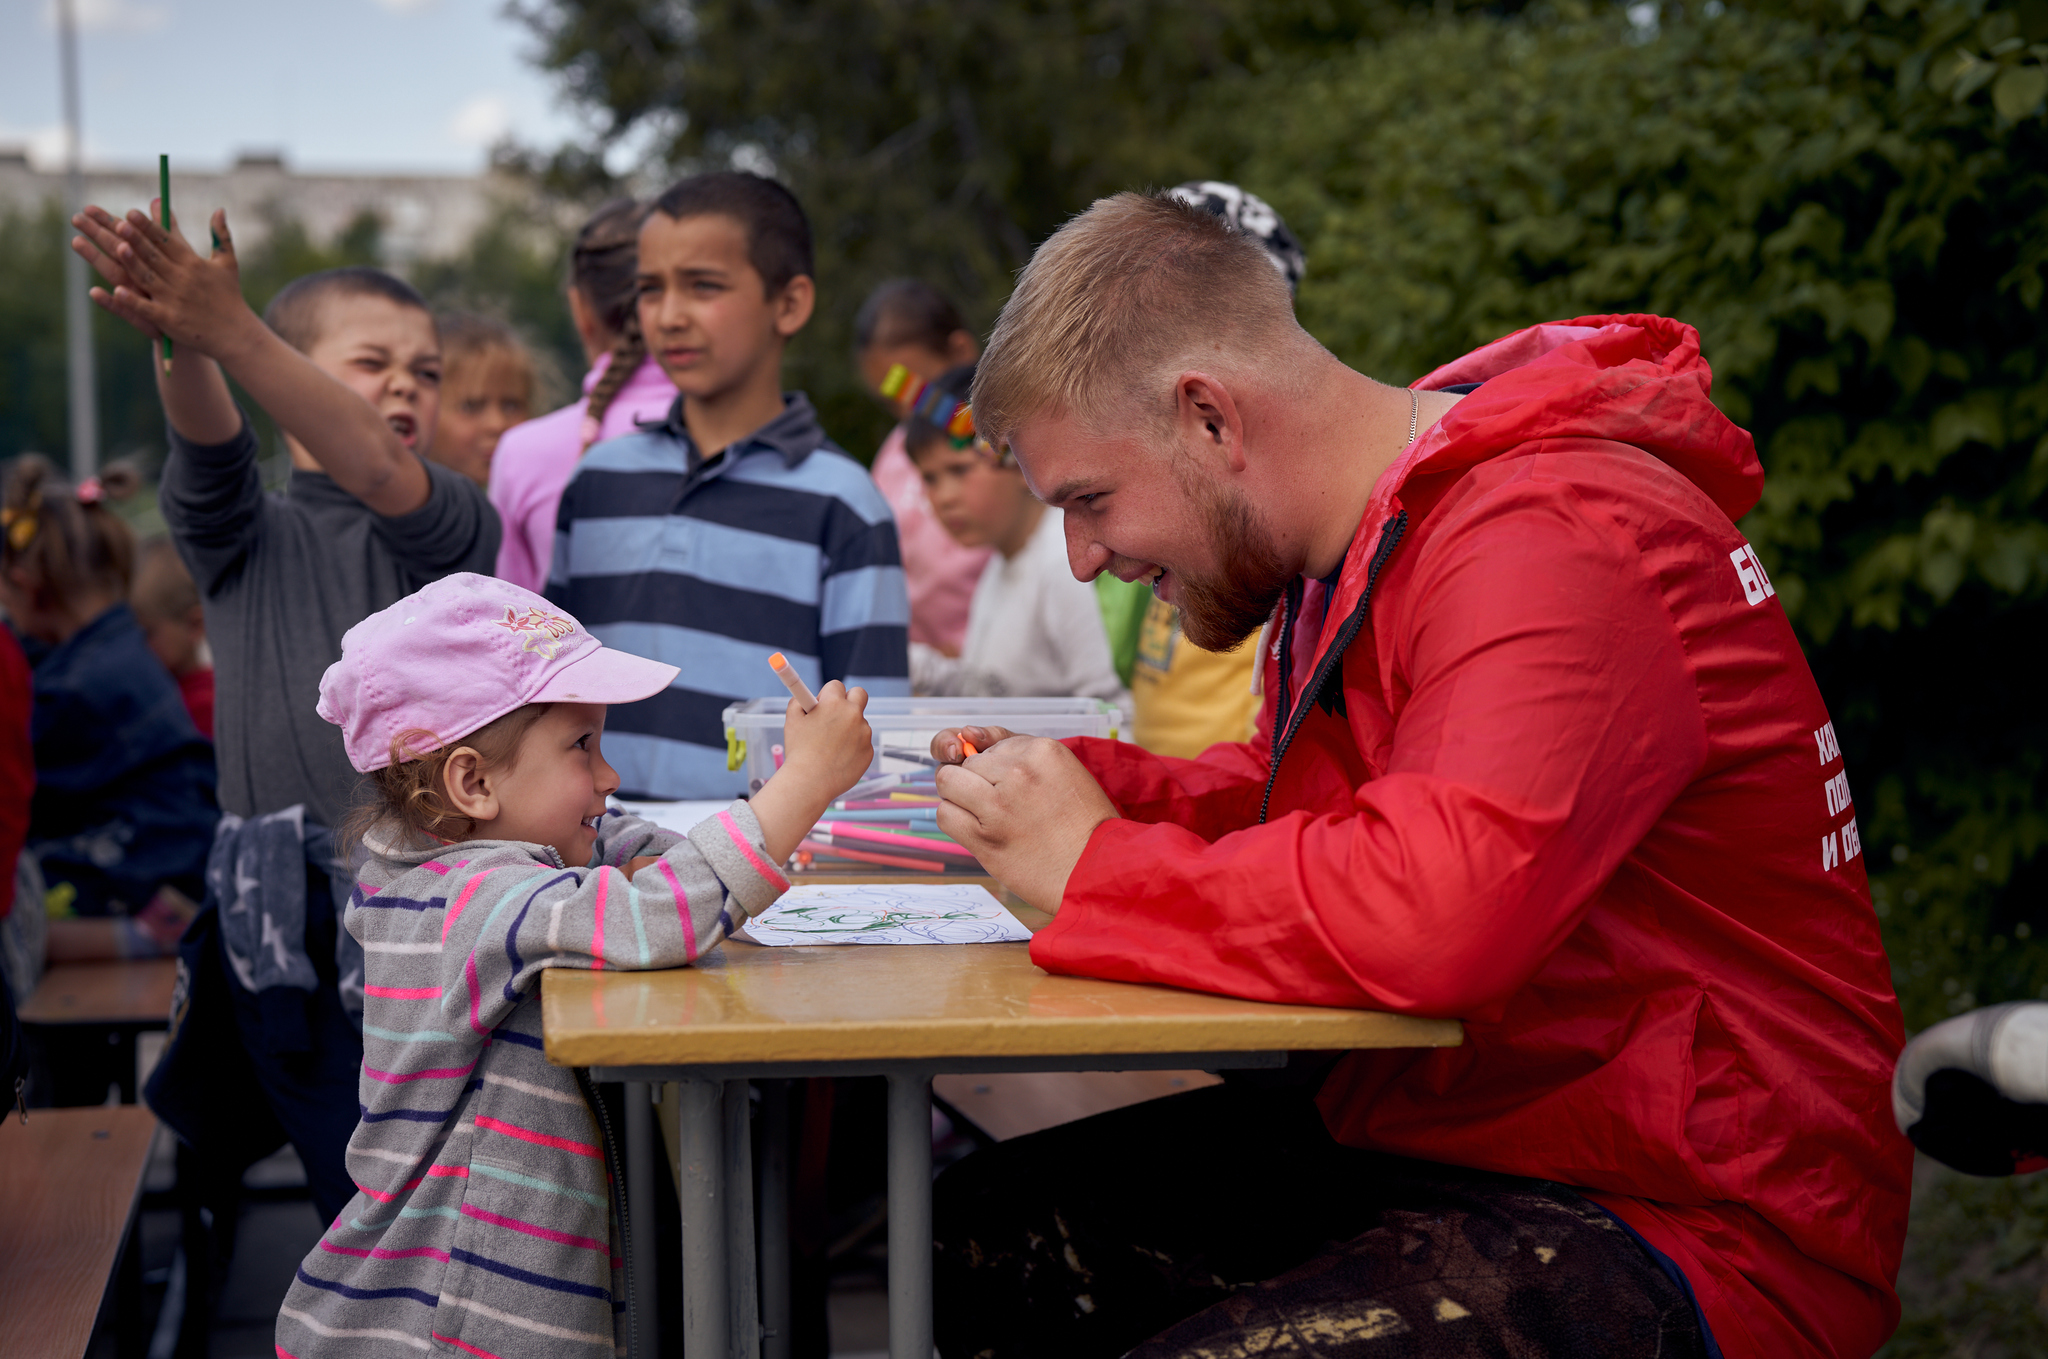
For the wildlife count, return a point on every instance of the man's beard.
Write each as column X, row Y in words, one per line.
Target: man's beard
column 1218, row 612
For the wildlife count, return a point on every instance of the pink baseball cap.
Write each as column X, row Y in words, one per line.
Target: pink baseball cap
column 459, row 655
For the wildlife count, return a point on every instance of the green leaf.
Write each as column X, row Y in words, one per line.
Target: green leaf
column 2019, row 90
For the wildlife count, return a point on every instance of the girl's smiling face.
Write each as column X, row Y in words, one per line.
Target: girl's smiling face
column 551, row 792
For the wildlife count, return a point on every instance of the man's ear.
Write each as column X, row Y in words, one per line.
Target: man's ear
column 1207, row 419
column 468, row 787
column 793, row 305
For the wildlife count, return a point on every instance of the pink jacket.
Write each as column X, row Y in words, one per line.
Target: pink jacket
column 940, row 573
column 534, row 460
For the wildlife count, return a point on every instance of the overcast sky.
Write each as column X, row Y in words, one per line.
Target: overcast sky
column 411, row 85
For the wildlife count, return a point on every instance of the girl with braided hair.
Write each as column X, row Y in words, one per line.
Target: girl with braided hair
column 124, row 801
column 623, row 387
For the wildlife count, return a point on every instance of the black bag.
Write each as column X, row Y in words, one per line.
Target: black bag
column 204, row 1087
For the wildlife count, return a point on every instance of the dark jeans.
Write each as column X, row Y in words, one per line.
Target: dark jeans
column 1226, row 1222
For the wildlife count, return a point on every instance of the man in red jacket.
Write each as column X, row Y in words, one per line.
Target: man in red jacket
column 1544, row 755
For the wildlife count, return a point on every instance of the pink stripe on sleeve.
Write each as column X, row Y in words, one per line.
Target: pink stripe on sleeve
column 760, row 865
column 469, row 974
column 461, row 901
column 604, row 882
column 466, row 1347
column 682, row 908
column 386, row 1253
column 439, row 1073
column 533, row 1229
column 541, row 1139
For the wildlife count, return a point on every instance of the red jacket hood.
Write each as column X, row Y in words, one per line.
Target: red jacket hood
column 1636, row 380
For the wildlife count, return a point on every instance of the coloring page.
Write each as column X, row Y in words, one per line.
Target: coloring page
column 869, row 913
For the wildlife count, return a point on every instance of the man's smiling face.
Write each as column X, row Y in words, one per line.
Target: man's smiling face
column 1143, row 511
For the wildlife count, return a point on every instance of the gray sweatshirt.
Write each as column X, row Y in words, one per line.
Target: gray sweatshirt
column 282, row 577
column 483, row 1220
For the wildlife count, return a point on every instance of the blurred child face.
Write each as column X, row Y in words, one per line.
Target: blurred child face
column 387, row 354
column 980, row 504
column 706, row 315
column 175, row 641
column 480, row 399
column 553, row 791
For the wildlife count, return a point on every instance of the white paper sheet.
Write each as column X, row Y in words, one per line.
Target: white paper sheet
column 868, row 913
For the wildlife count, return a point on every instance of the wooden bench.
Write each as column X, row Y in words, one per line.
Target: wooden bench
column 118, row 1000
column 70, row 1180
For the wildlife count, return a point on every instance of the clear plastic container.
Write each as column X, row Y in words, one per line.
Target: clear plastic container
column 903, row 729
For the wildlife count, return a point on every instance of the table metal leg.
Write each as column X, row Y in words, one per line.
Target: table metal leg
column 707, row 1302
column 641, row 1149
column 739, row 1221
column 777, row 1312
column 910, row 1216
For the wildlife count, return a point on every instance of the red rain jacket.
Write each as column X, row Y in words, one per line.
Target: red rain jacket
column 1572, row 782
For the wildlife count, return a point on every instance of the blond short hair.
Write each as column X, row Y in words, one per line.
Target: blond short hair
column 1133, row 285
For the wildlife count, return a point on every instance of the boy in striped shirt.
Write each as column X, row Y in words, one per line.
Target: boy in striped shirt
column 735, row 529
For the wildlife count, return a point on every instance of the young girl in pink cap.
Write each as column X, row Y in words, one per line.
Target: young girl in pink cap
column 482, row 1219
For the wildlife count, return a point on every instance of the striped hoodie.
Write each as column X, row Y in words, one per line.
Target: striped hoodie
column 482, row 1222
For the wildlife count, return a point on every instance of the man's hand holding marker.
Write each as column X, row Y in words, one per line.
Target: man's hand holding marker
column 991, row 781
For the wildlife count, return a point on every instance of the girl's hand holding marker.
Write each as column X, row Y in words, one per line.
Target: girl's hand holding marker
column 827, row 746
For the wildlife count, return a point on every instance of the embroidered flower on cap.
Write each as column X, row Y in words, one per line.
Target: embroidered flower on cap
column 542, row 631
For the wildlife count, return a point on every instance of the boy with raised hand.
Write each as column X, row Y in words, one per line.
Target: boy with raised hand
column 349, row 366
column 736, row 529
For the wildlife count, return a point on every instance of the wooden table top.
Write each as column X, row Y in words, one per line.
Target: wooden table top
column 136, row 992
column 69, row 1180
column 746, row 1003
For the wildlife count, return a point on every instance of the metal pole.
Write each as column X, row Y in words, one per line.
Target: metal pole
column 707, row 1304
column 739, row 1221
column 910, row 1215
column 85, row 424
column 776, row 1298
column 641, row 1149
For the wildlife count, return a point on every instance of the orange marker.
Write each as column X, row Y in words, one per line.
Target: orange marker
column 968, row 746
column 798, row 690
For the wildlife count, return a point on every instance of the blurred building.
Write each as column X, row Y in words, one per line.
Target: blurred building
column 422, row 216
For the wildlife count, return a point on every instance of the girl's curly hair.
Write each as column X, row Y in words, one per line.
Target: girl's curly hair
column 411, row 792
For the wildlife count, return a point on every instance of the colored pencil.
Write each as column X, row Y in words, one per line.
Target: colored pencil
column 163, row 184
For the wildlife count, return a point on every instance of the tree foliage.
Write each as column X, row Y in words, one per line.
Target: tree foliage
column 1858, row 225
column 935, row 138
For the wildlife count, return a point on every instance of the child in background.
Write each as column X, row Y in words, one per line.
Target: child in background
column 1033, row 630
column 736, row 529
column 486, row 388
column 486, row 1216
column 624, row 388
column 124, row 789
column 912, row 324
column 348, row 363
column 166, row 604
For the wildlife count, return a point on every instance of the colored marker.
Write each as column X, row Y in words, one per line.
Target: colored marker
column 913, row 756
column 798, row 690
column 775, row 753
column 862, row 856
column 835, row 830
column 163, row 184
column 968, row 746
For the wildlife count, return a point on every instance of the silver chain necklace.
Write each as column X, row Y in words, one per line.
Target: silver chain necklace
column 1414, row 414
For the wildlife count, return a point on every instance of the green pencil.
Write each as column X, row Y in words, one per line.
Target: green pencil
column 163, row 183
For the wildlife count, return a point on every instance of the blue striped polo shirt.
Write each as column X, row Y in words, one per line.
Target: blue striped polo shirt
column 781, row 544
